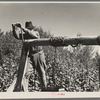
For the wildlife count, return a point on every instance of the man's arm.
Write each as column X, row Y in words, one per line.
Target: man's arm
column 32, row 34
column 18, row 31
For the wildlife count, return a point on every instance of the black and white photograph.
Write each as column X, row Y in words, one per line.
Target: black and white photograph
column 50, row 47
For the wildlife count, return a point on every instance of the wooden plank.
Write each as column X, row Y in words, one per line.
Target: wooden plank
column 67, row 41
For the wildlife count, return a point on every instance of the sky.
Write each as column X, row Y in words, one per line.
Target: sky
column 61, row 19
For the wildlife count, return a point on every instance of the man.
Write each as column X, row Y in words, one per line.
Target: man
column 36, row 57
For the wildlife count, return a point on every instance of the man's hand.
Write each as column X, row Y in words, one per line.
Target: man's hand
column 16, row 29
column 18, row 25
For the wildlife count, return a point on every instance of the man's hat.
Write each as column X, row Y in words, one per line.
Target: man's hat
column 29, row 25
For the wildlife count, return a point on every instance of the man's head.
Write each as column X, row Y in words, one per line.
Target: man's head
column 29, row 25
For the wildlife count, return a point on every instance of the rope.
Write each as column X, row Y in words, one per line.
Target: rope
column 54, row 64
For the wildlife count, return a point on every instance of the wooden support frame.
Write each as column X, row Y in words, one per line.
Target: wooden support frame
column 45, row 42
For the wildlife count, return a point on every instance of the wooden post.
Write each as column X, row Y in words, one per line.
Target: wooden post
column 22, row 66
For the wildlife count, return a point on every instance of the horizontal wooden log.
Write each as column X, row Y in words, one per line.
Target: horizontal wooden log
column 39, row 42
column 66, row 41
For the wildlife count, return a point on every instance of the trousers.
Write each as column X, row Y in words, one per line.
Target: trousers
column 36, row 61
